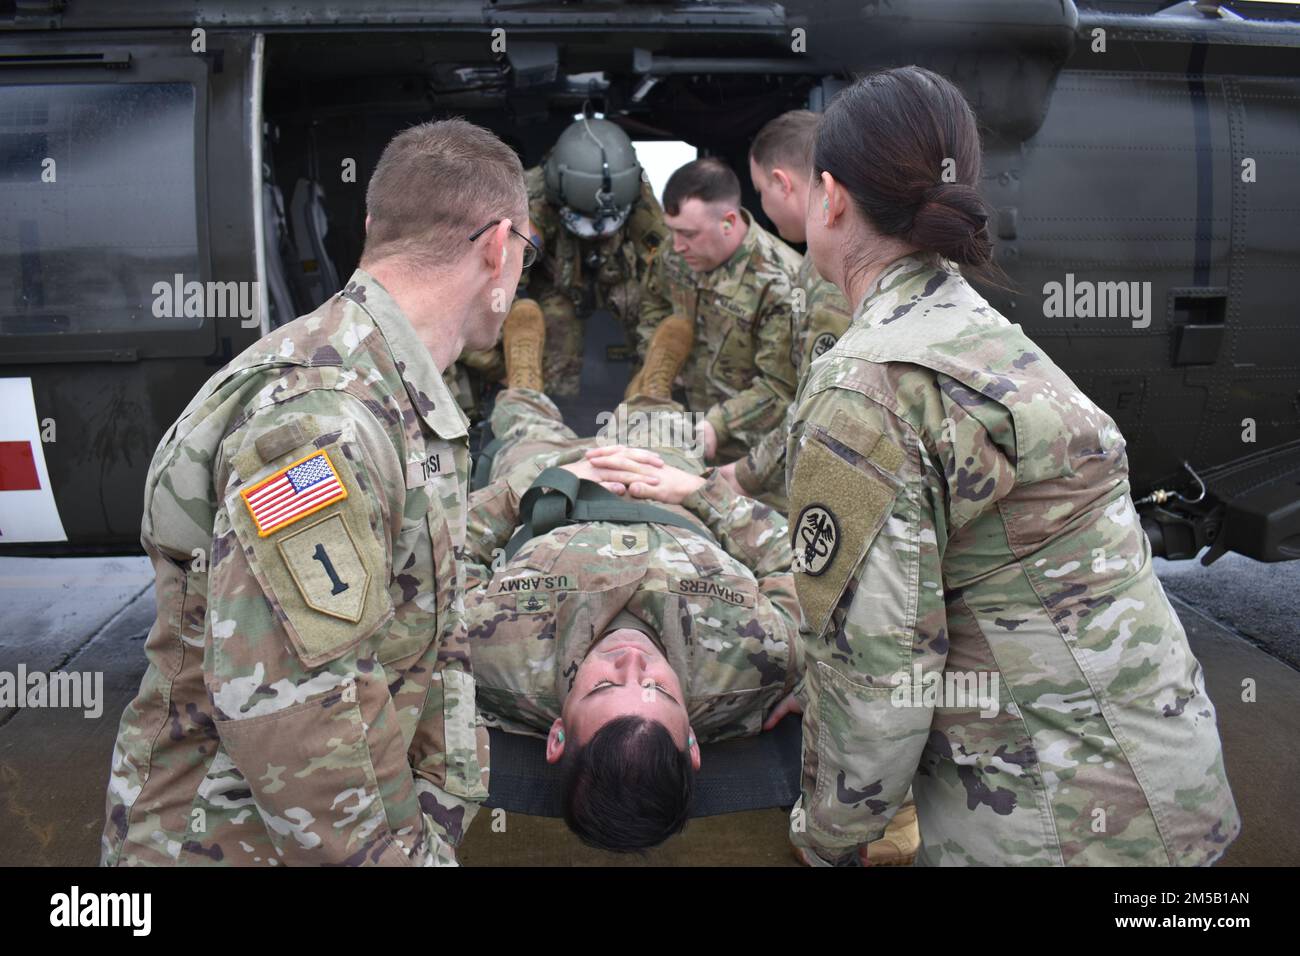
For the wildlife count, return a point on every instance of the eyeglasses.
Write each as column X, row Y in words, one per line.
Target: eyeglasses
column 530, row 251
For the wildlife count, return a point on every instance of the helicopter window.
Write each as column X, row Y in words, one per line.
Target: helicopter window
column 97, row 207
column 661, row 158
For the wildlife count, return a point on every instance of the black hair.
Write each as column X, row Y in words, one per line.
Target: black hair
column 628, row 788
column 905, row 145
column 708, row 180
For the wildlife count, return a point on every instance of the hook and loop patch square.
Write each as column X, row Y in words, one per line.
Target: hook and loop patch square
column 297, row 490
column 838, row 509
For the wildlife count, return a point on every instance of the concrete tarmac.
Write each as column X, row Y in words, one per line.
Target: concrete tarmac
column 91, row 615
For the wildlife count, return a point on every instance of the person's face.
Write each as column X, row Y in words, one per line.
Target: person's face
column 784, row 197
column 704, row 234
column 624, row 674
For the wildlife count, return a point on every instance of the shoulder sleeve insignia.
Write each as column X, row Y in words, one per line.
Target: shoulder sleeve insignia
column 823, row 344
column 295, row 491
column 816, row 539
column 328, row 569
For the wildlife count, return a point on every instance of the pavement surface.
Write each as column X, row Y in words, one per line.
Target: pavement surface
column 91, row 616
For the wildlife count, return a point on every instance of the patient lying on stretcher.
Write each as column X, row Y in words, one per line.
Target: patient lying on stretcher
column 625, row 632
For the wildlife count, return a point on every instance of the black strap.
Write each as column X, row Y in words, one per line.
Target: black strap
column 483, row 464
column 559, row 497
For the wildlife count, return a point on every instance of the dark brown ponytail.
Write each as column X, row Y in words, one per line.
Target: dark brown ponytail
column 905, row 145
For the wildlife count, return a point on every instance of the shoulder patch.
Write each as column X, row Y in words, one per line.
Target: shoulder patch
column 327, row 568
column 325, row 578
column 823, row 344
column 867, row 442
column 841, row 509
column 295, row 491
column 816, row 539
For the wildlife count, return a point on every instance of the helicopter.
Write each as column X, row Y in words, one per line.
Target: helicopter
column 178, row 182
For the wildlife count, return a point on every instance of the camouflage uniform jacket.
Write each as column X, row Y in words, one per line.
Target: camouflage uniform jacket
column 308, row 697
column 722, row 601
column 961, row 513
column 740, row 371
column 624, row 257
column 820, row 316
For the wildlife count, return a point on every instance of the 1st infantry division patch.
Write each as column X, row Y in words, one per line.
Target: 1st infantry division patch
column 295, row 491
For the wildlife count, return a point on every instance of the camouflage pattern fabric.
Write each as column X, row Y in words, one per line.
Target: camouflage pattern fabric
column 960, row 513
column 721, row 599
column 820, row 315
column 534, row 436
column 740, row 371
column 308, row 698
column 467, row 376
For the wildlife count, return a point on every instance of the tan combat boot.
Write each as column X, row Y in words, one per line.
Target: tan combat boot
column 668, row 350
column 901, row 840
column 523, row 337
column 897, row 847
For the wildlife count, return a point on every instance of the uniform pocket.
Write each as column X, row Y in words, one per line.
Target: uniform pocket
column 309, row 769
column 734, row 364
column 858, row 733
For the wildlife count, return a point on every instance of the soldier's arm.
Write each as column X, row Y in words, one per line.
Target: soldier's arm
column 493, row 518
column 867, row 571
column 297, row 617
column 748, row 530
column 754, row 534
column 761, row 406
column 763, row 469
column 656, row 305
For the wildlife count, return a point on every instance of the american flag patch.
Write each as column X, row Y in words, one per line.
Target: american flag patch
column 293, row 492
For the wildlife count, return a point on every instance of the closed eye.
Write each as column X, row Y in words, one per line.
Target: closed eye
column 606, row 684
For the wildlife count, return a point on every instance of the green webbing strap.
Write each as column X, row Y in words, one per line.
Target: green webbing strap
column 560, row 497
column 483, row 464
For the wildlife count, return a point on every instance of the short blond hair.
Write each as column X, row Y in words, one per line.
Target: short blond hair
column 434, row 185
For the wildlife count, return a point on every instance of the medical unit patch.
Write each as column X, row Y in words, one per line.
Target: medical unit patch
column 295, row 491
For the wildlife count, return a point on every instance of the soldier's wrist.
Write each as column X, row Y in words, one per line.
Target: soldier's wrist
column 718, row 422
column 747, row 476
column 711, row 500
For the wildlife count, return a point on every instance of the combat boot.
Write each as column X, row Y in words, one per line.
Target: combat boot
column 523, row 338
column 668, row 350
column 896, row 847
column 901, row 840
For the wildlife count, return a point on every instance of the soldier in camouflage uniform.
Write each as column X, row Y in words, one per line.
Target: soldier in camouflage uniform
column 961, row 517
column 733, row 280
column 719, row 596
column 714, row 601
column 598, row 234
column 779, row 160
column 820, row 317
column 309, row 697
